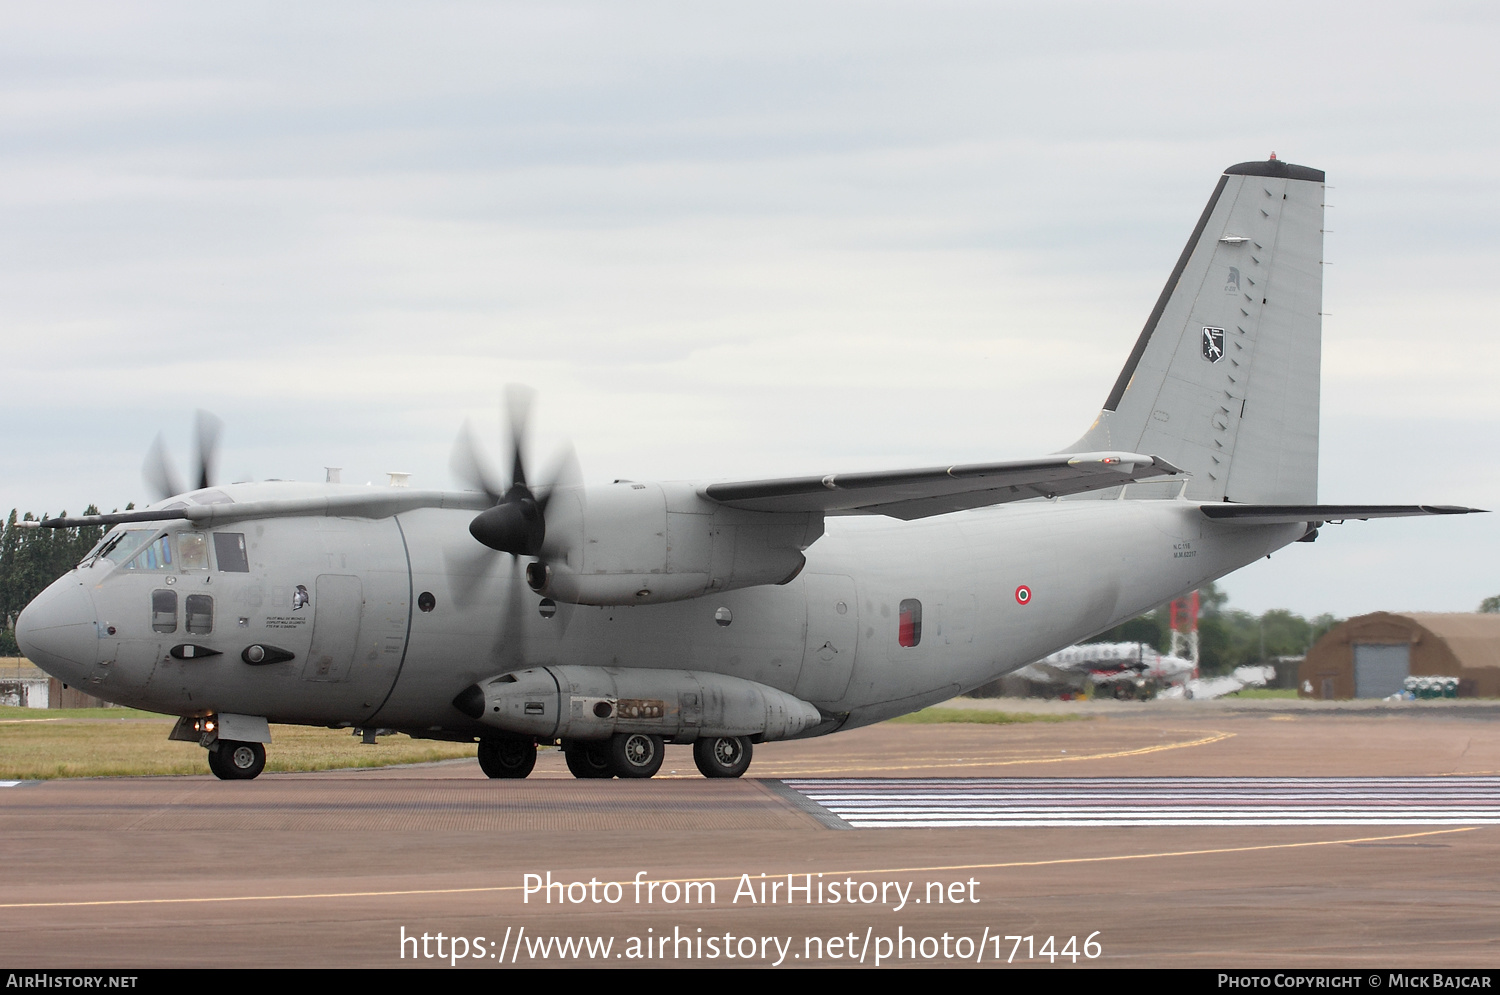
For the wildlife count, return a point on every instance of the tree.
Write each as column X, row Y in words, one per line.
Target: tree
column 1490, row 606
column 1149, row 628
column 1211, row 600
column 9, row 540
column 30, row 559
column 1229, row 638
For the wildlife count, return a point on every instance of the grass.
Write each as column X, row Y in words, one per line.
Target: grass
column 11, row 713
column 928, row 716
column 1263, row 693
column 42, row 744
column 123, row 742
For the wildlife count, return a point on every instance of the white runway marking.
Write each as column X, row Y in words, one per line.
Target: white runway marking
column 1156, row 801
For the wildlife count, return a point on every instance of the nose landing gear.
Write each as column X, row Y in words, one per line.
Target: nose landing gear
column 235, row 743
column 234, row 761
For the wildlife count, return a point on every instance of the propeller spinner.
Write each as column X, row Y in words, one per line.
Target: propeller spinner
column 517, row 523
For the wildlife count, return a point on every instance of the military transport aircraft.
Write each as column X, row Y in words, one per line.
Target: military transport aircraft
column 615, row 618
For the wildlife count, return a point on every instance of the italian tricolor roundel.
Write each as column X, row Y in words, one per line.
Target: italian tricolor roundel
column 1023, row 594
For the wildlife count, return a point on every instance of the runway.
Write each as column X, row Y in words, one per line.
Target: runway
column 931, row 803
column 339, row 869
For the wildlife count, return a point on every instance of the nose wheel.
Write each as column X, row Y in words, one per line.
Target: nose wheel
column 232, row 761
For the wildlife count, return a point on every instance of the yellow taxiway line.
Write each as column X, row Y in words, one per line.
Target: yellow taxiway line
column 735, row 877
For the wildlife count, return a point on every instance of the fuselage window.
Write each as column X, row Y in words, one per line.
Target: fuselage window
column 157, row 556
column 192, row 551
column 909, row 628
column 163, row 611
column 200, row 614
column 229, row 547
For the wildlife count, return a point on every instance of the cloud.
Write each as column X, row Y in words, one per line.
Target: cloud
column 749, row 242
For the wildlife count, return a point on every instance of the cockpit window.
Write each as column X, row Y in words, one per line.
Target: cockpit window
column 229, row 547
column 211, row 497
column 192, row 551
column 117, row 547
column 156, row 556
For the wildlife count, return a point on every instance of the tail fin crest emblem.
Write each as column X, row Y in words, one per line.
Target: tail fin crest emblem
column 1213, row 344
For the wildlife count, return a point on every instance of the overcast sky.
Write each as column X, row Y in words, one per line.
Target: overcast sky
column 731, row 241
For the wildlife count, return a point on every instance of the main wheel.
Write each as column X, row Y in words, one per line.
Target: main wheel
column 723, row 756
column 635, row 754
column 233, row 761
column 590, row 759
column 507, row 757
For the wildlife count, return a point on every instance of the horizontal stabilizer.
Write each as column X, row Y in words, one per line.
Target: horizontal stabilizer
column 1292, row 514
column 912, row 494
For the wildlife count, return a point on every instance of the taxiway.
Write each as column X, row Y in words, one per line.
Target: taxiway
column 1353, row 837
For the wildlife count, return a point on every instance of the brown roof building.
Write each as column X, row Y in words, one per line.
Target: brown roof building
column 1372, row 655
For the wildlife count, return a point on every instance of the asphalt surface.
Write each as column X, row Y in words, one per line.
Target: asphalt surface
column 1172, row 835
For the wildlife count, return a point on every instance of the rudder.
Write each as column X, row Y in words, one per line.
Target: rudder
column 1224, row 378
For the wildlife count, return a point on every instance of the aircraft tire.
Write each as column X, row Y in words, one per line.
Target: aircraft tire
column 588, row 759
column 235, row 761
column 507, row 757
column 723, row 756
column 635, row 754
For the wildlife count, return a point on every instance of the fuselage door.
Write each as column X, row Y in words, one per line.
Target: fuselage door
column 338, row 605
column 832, row 637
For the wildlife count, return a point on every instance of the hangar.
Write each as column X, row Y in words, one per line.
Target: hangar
column 1370, row 656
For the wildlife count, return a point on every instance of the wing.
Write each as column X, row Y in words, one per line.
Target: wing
column 910, row 494
column 906, row 494
column 357, row 502
column 1293, row 514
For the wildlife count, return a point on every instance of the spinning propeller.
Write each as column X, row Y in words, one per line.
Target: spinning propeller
column 517, row 522
column 161, row 476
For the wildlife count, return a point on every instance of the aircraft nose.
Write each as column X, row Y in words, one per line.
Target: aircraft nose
column 57, row 631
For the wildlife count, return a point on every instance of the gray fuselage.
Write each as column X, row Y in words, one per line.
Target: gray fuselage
column 388, row 619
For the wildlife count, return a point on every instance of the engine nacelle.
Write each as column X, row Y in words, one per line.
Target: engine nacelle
column 590, row 703
column 630, row 543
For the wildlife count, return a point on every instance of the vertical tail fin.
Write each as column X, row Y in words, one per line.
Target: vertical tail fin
column 1224, row 378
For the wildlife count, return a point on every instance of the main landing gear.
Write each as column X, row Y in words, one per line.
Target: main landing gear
column 590, row 759
column 232, row 761
column 635, row 754
column 639, row 755
column 507, row 757
column 723, row 756
column 625, row 754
